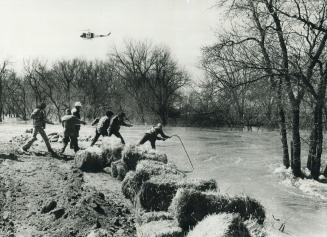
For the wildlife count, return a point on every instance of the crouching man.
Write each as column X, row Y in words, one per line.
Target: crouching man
column 152, row 136
column 71, row 124
column 39, row 121
column 102, row 126
column 115, row 123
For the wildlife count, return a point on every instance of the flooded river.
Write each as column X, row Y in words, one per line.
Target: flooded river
column 250, row 163
column 242, row 163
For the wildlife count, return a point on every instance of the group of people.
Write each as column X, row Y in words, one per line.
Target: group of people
column 107, row 125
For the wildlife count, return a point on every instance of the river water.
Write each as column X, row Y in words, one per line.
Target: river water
column 249, row 163
column 242, row 162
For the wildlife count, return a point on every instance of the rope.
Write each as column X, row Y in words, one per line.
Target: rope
column 184, row 149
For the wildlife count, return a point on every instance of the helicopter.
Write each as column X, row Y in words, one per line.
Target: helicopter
column 90, row 35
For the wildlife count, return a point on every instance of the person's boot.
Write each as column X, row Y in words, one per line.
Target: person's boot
column 63, row 149
column 24, row 149
column 52, row 152
column 76, row 149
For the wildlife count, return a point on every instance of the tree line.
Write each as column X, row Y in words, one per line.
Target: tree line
column 143, row 80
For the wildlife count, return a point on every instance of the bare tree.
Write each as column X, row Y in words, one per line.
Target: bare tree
column 150, row 76
column 132, row 66
column 17, row 96
column 34, row 81
column 164, row 81
column 292, row 37
column 96, row 84
column 66, row 73
column 3, row 72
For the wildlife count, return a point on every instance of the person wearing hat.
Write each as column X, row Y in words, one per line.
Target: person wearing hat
column 70, row 123
column 152, row 136
column 39, row 122
column 115, row 123
column 77, row 111
column 102, row 126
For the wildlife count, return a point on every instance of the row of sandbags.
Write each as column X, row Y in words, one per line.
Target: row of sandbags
column 115, row 155
column 170, row 204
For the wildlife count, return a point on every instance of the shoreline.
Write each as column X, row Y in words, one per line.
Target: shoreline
column 44, row 196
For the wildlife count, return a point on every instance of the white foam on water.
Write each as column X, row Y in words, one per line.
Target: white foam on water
column 309, row 187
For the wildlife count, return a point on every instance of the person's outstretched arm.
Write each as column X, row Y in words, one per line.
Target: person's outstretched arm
column 48, row 121
column 96, row 121
column 160, row 138
column 126, row 124
column 164, row 135
column 81, row 121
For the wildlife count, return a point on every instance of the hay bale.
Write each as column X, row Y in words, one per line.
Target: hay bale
column 158, row 192
column 114, row 171
column 144, row 170
column 90, row 159
column 118, row 170
column 166, row 228
column 156, row 168
column 220, row 225
column 190, row 206
column 132, row 183
column 111, row 150
column 133, row 154
column 256, row 229
column 121, row 170
column 198, row 184
column 247, row 208
column 147, row 217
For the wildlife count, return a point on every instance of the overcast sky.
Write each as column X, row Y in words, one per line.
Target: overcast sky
column 50, row 29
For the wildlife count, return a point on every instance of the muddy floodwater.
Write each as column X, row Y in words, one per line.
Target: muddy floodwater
column 242, row 162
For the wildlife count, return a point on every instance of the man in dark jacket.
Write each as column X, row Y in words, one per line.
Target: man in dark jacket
column 102, row 126
column 77, row 111
column 39, row 121
column 70, row 123
column 115, row 124
column 152, row 135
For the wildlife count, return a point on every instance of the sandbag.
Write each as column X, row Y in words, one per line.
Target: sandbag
column 190, row 206
column 90, row 160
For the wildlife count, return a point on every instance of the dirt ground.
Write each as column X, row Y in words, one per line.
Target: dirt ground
column 41, row 195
